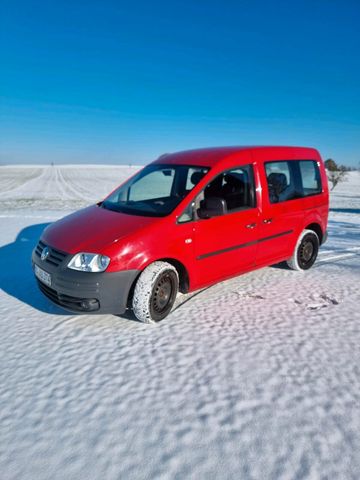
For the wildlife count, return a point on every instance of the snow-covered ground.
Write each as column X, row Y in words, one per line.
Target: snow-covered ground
column 58, row 188
column 254, row 378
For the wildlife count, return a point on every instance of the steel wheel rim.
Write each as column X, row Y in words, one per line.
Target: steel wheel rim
column 163, row 294
column 307, row 252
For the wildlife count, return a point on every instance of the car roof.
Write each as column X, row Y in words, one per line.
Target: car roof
column 208, row 157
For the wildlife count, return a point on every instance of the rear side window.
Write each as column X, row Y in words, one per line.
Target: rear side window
column 281, row 181
column 310, row 175
column 288, row 180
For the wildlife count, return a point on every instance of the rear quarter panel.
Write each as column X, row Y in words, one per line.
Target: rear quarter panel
column 294, row 215
column 316, row 208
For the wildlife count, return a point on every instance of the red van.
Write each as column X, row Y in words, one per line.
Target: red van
column 187, row 220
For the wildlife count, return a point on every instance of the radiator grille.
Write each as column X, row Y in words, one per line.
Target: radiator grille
column 55, row 257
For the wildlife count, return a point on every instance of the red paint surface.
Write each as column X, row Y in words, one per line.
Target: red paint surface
column 133, row 242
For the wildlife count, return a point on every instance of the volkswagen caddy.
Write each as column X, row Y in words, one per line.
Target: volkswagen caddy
column 186, row 221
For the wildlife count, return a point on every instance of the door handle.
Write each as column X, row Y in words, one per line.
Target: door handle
column 251, row 225
column 267, row 220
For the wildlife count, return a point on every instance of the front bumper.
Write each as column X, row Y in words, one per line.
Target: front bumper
column 105, row 292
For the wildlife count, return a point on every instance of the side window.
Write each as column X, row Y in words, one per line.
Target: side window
column 281, row 182
column 188, row 214
column 235, row 186
column 194, row 175
column 310, row 175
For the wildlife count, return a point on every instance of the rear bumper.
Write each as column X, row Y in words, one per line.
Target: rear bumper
column 85, row 292
column 325, row 237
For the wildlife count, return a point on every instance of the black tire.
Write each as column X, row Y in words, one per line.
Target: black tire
column 306, row 251
column 155, row 292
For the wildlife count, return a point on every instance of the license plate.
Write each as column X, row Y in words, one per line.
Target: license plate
column 45, row 277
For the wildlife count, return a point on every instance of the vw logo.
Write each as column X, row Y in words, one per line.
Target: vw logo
column 45, row 253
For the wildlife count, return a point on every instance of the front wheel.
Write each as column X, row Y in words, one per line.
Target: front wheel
column 155, row 292
column 305, row 252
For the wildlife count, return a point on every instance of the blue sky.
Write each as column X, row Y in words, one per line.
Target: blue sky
column 122, row 82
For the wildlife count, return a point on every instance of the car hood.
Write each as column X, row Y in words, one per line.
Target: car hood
column 92, row 229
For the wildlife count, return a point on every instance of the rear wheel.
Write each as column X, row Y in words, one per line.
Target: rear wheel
column 155, row 292
column 305, row 252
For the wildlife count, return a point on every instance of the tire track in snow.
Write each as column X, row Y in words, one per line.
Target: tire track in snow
column 64, row 188
column 337, row 254
column 12, row 178
column 350, row 249
column 21, row 191
column 78, row 188
column 104, row 181
column 338, row 257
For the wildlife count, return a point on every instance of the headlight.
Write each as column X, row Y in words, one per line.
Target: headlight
column 89, row 262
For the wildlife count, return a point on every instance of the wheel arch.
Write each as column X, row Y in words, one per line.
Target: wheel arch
column 184, row 281
column 316, row 227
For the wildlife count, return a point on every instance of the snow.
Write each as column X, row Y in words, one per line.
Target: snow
column 254, row 378
column 59, row 187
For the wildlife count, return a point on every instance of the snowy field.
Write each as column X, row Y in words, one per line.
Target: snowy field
column 254, row 378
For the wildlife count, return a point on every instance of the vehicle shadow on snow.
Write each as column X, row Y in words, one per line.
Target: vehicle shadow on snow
column 345, row 210
column 281, row 266
column 17, row 278
column 16, row 275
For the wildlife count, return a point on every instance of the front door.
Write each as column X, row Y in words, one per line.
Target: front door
column 226, row 245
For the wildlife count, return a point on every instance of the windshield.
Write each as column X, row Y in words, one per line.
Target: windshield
column 156, row 190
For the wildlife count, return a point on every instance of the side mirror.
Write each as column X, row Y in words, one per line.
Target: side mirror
column 212, row 207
